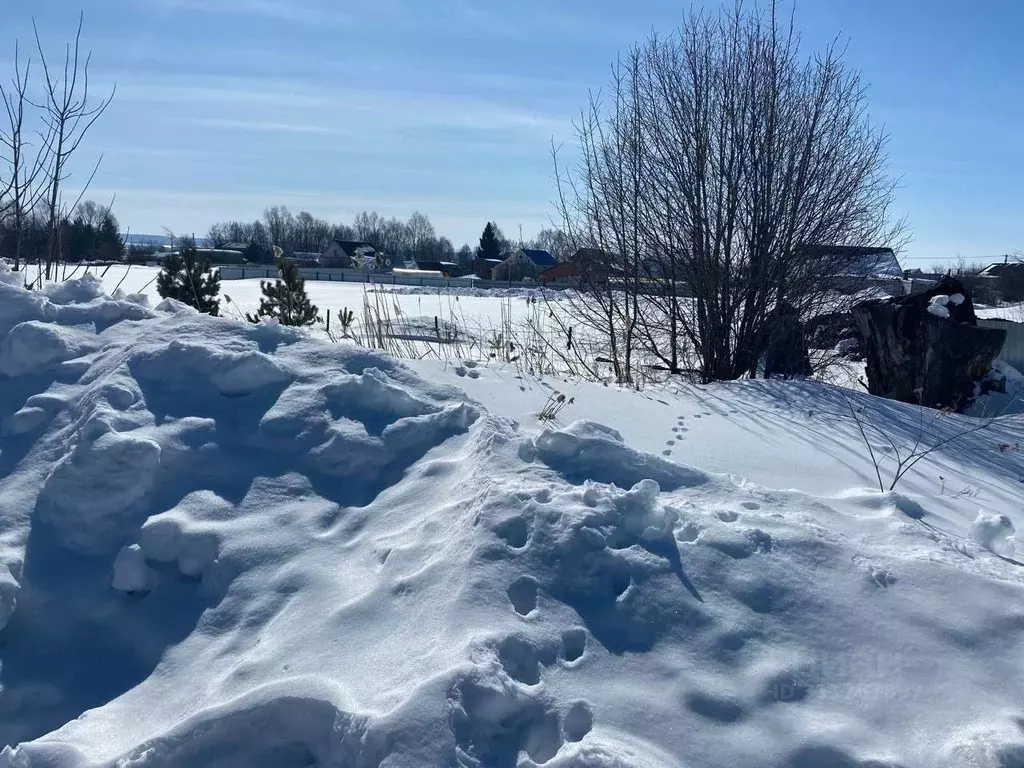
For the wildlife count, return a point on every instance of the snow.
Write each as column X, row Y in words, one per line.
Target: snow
column 238, row 545
column 1014, row 312
column 994, row 533
column 131, row 574
column 938, row 307
column 8, row 595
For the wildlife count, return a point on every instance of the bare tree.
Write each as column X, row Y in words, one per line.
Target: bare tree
column 715, row 176
column 69, row 111
column 21, row 191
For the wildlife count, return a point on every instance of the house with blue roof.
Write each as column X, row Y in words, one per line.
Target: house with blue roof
column 524, row 263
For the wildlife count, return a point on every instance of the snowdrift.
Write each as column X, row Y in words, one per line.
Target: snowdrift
column 231, row 545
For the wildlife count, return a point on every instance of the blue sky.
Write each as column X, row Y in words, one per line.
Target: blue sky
column 449, row 107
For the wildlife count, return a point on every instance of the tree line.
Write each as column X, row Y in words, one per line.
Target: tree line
column 414, row 239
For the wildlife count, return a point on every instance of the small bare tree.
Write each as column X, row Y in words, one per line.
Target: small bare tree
column 26, row 161
column 716, row 174
column 70, row 111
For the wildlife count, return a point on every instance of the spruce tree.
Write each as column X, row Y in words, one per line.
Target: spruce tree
column 490, row 246
column 285, row 299
column 190, row 279
column 109, row 245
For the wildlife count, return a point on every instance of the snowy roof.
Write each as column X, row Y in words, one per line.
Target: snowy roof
column 999, row 270
column 540, row 258
column 352, row 247
column 859, row 261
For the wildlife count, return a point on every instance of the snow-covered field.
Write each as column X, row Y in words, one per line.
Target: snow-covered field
column 233, row 545
column 1014, row 312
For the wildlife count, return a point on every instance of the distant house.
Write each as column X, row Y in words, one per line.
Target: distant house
column 1007, row 280
column 593, row 262
column 347, row 254
column 235, row 246
column 524, row 263
column 854, row 261
column 304, row 259
column 484, row 268
column 214, row 256
column 446, row 268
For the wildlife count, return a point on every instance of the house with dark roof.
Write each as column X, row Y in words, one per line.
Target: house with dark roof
column 347, row 254
column 593, row 263
column 1007, row 279
column 524, row 263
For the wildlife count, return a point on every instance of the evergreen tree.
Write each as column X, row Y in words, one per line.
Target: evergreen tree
column 190, row 279
column 490, row 245
column 285, row 299
column 109, row 245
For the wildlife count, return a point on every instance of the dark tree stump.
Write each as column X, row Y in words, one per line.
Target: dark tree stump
column 787, row 356
column 916, row 356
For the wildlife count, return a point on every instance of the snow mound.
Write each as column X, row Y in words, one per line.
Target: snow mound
column 91, row 494
column 234, row 545
column 994, row 533
column 35, row 347
column 236, row 370
column 80, row 290
column 585, row 450
column 9, row 277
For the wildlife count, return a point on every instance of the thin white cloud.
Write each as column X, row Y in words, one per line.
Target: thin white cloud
column 262, row 126
column 294, row 11
column 273, row 104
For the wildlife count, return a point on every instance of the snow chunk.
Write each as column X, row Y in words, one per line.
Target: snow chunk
column 938, row 307
column 141, row 299
column 91, row 494
column 34, row 347
column 994, row 533
column 8, row 595
column 588, row 451
column 373, row 391
column 161, row 539
column 26, row 420
column 957, row 299
column 198, row 552
column 417, row 432
column 9, row 276
column 246, row 373
column 131, row 574
column 350, row 451
column 175, row 307
column 81, row 290
column 640, row 513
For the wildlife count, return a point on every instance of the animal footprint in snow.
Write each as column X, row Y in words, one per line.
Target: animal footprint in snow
column 728, row 516
column 751, row 505
column 515, row 531
column 474, row 374
column 522, row 593
column 667, row 452
column 574, row 644
column 460, row 371
column 579, row 721
column 670, row 443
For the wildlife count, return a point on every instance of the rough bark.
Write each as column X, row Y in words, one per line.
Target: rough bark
column 916, row 356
